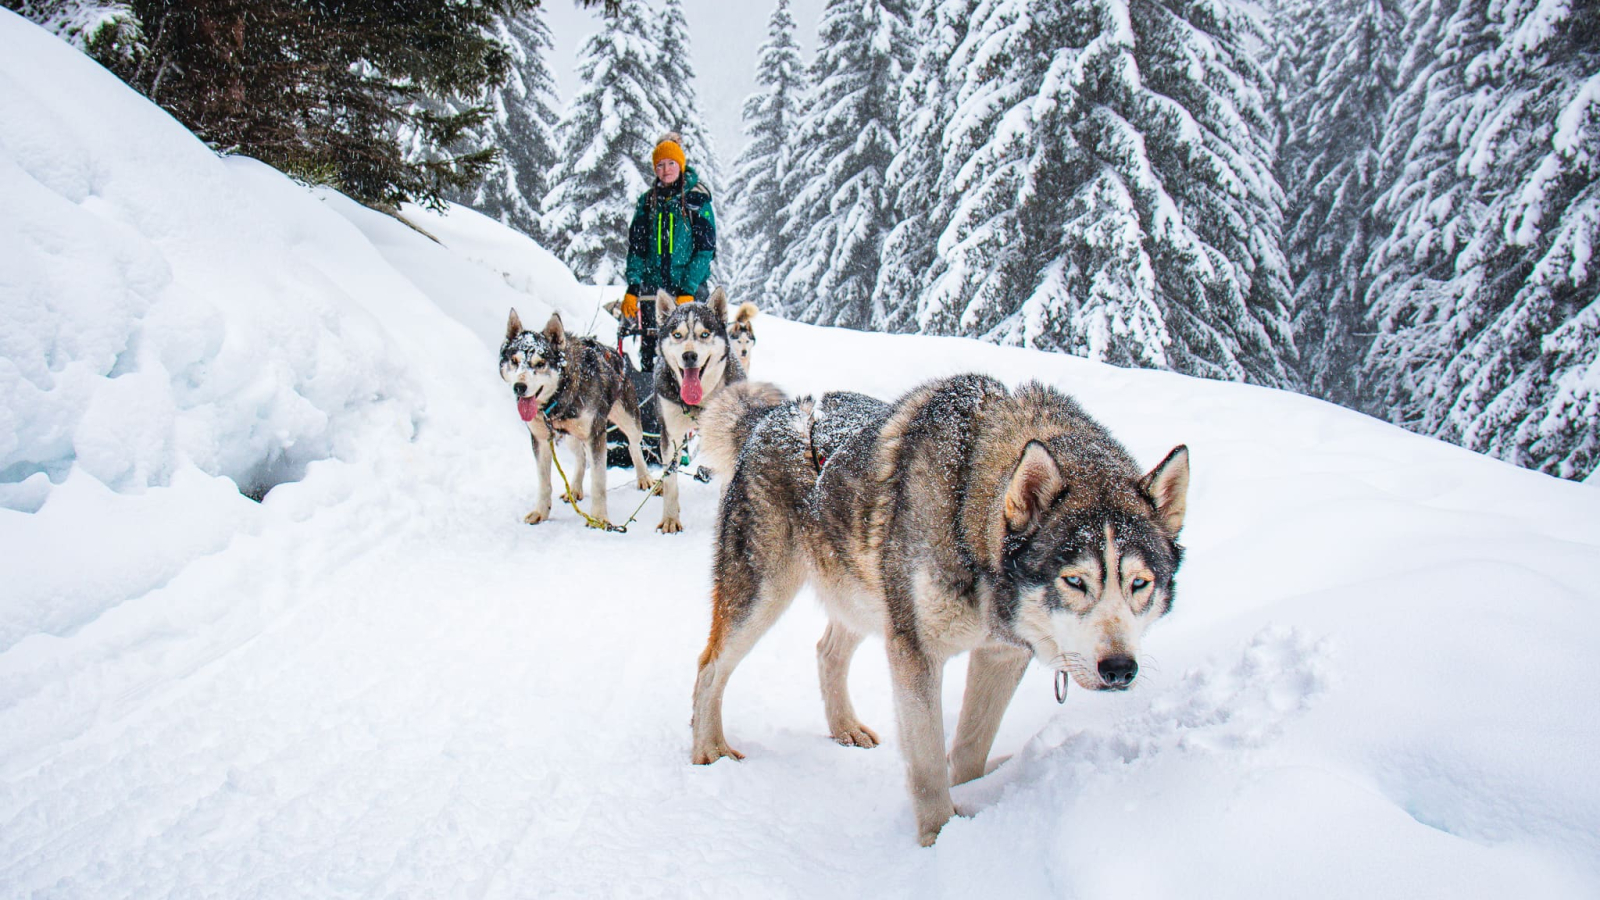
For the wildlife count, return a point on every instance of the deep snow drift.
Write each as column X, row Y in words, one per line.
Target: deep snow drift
column 1377, row 680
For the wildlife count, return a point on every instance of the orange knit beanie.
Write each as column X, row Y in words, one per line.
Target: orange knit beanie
column 669, row 147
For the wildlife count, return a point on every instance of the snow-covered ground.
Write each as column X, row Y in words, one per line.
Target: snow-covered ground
column 1378, row 679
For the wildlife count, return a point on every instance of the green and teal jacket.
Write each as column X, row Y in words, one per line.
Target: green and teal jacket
column 673, row 238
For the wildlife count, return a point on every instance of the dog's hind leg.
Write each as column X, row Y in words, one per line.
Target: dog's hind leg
column 628, row 424
column 993, row 673
column 834, row 652
column 744, row 605
column 580, row 466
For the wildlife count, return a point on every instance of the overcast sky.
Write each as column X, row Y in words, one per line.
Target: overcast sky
column 724, row 36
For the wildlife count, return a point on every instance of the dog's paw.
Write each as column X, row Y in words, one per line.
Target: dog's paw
column 572, row 496
column 930, row 824
column 645, row 482
column 857, row 735
column 537, row 516
column 707, row 757
column 670, row 525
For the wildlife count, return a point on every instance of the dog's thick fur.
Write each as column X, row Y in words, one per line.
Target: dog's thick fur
column 693, row 349
column 742, row 334
column 571, row 385
column 969, row 517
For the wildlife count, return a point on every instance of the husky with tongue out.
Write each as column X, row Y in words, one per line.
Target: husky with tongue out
column 571, row 385
column 694, row 360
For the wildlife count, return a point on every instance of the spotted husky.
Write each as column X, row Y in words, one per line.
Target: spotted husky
column 694, row 360
column 571, row 385
column 964, row 517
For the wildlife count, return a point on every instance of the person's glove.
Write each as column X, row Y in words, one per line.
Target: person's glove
column 685, row 298
column 630, row 306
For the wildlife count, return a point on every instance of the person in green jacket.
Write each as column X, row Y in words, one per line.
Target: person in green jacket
column 671, row 243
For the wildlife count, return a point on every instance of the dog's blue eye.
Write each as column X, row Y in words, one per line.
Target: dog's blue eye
column 1140, row 584
column 1073, row 581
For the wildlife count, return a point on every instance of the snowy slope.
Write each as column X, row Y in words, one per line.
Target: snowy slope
column 1377, row 680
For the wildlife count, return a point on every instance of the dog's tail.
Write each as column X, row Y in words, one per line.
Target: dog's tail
column 730, row 417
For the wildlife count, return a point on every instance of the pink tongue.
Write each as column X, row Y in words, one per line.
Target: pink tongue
column 527, row 408
column 689, row 390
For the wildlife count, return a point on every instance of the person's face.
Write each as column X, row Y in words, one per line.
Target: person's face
column 667, row 171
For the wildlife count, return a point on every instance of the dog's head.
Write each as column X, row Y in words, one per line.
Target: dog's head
column 694, row 345
column 532, row 362
column 742, row 333
column 1094, row 553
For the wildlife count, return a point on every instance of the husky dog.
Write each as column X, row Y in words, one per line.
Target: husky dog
column 571, row 385
column 969, row 517
column 693, row 362
column 742, row 333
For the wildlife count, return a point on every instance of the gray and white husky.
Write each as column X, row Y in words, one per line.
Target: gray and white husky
column 694, row 360
column 967, row 517
column 571, row 385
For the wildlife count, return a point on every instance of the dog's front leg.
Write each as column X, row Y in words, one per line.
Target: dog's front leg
column 917, row 679
column 992, row 677
column 542, row 451
column 670, row 448
column 597, row 474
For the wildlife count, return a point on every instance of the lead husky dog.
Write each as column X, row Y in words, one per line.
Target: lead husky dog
column 967, row 518
column 571, row 385
column 694, row 361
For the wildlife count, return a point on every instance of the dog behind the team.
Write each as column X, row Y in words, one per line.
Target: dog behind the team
column 742, row 333
column 694, row 360
column 966, row 517
column 571, row 385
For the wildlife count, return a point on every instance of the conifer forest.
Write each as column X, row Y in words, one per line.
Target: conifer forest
column 1392, row 205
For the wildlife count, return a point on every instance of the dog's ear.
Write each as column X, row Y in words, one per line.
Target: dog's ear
column 746, row 314
column 553, row 332
column 719, row 304
column 1168, row 485
column 665, row 304
column 1035, row 483
column 513, row 325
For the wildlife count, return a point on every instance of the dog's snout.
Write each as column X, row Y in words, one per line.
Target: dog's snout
column 1118, row 671
column 690, row 359
column 519, row 389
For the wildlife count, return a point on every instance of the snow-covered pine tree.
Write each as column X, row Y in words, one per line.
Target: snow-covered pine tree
column 521, row 126
column 1121, row 203
column 1425, row 214
column 606, row 135
column 915, row 183
column 1519, row 136
column 837, row 211
column 1341, row 58
column 755, row 193
column 681, row 105
column 107, row 30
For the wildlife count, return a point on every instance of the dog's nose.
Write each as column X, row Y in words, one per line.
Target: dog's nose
column 1118, row 671
column 519, row 389
column 690, row 358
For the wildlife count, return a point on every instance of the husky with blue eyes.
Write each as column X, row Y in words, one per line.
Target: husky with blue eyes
column 694, row 360
column 571, row 385
column 964, row 517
